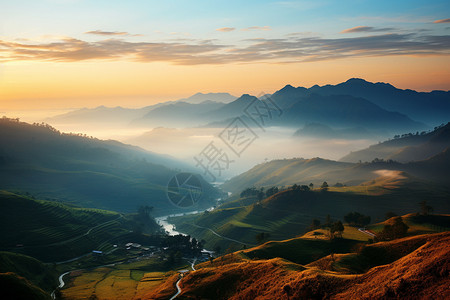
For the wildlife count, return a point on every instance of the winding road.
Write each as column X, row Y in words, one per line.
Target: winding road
column 61, row 284
column 177, row 285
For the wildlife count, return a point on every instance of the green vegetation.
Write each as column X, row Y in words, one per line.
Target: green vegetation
column 290, row 212
column 87, row 172
column 52, row 231
column 300, row 250
column 30, row 268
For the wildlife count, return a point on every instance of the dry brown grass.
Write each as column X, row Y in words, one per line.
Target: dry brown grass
column 420, row 273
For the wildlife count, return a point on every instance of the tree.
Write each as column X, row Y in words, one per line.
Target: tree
column 324, row 185
column 260, row 194
column 328, row 220
column 336, row 229
column 271, row 191
column 390, row 214
column 426, row 209
column 315, row 224
column 262, row 237
column 357, row 219
column 311, row 185
column 396, row 229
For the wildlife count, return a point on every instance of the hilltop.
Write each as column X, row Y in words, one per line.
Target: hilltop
column 406, row 148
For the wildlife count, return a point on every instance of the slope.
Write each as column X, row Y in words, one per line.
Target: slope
column 419, row 268
column 53, row 232
column 84, row 171
column 408, row 147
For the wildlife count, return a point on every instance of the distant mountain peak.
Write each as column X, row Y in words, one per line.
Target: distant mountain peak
column 356, row 80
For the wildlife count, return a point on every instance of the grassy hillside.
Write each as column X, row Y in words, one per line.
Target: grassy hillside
column 52, row 231
column 30, row 268
column 85, row 171
column 406, row 148
column 289, row 213
column 415, row 267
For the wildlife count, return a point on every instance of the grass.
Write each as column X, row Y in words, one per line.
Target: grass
column 53, row 231
column 289, row 214
column 36, row 272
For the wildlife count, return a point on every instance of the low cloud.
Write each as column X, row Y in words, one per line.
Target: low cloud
column 108, row 33
column 292, row 49
column 263, row 28
column 226, row 29
column 442, row 21
column 365, row 29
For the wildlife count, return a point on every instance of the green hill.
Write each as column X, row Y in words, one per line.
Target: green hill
column 289, row 213
column 55, row 232
column 85, row 171
column 30, row 268
column 406, row 148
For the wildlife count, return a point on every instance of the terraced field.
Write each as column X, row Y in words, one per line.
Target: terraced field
column 121, row 281
column 55, row 232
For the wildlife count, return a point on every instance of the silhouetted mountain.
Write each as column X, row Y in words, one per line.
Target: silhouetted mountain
column 405, row 148
column 122, row 116
column 111, row 115
column 321, row 131
column 216, row 97
column 344, row 111
column 432, row 108
column 179, row 114
column 231, row 110
column 84, row 171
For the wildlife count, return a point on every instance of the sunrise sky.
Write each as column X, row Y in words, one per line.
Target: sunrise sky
column 74, row 53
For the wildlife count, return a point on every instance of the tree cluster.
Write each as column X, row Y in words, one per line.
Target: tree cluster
column 357, row 219
column 397, row 229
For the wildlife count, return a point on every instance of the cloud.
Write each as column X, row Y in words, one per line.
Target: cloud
column 108, row 33
column 225, row 29
column 292, row 49
column 264, row 28
column 365, row 29
column 442, row 21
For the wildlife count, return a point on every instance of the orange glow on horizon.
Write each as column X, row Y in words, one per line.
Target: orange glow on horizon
column 41, row 85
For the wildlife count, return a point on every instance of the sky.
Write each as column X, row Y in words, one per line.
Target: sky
column 64, row 54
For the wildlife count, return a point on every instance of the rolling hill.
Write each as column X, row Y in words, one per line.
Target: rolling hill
column 412, row 267
column 85, row 171
column 408, row 147
column 33, row 270
column 290, row 212
column 53, row 232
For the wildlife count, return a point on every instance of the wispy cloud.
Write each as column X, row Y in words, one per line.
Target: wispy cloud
column 194, row 52
column 225, row 29
column 365, row 29
column 263, row 28
column 442, row 21
column 111, row 33
column 108, row 33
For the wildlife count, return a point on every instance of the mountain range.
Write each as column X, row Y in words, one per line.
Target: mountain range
column 85, row 171
column 378, row 108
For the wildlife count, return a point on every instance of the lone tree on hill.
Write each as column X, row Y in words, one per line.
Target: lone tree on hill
column 426, row 209
column 397, row 229
column 262, row 237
